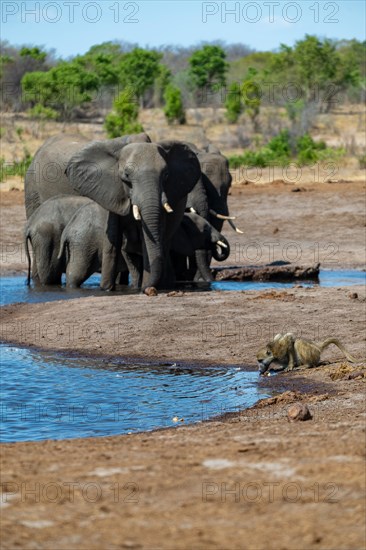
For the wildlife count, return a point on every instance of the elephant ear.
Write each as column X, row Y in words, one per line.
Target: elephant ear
column 183, row 167
column 93, row 172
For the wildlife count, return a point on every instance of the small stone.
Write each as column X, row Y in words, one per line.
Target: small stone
column 150, row 291
column 357, row 375
column 276, row 230
column 298, row 411
column 175, row 294
column 353, row 295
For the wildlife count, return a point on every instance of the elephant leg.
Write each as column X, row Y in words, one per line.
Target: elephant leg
column 123, row 273
column 135, row 267
column 79, row 270
column 179, row 262
column 203, row 266
column 111, row 246
column 122, row 278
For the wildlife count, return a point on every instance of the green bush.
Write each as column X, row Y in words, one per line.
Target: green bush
column 174, row 110
column 17, row 168
column 40, row 112
column 124, row 118
column 279, row 151
column 233, row 103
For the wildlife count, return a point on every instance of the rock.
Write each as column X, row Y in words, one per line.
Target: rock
column 357, row 375
column 150, row 291
column 298, row 411
column 175, row 294
column 276, row 230
column 353, row 295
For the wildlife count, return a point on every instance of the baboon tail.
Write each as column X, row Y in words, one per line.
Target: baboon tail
column 339, row 345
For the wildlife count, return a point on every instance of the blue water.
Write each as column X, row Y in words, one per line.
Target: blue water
column 14, row 289
column 50, row 396
column 326, row 279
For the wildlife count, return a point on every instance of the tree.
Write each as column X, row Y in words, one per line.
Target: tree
column 15, row 63
column 103, row 59
column 138, row 69
column 35, row 53
column 174, row 110
column 208, row 67
column 244, row 97
column 233, row 103
column 62, row 88
column 251, row 94
column 317, row 68
column 124, row 118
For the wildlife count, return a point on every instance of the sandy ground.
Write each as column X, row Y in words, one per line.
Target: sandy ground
column 247, row 480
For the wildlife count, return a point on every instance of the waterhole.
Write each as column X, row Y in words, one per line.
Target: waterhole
column 50, row 396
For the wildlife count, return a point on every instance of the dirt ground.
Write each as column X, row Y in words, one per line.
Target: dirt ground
column 247, row 480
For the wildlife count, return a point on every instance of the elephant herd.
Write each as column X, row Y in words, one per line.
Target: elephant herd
column 133, row 210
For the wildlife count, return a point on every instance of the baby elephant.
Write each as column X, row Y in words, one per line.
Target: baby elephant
column 43, row 231
column 194, row 239
column 82, row 245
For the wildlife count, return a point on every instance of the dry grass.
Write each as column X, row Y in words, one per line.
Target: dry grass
column 345, row 127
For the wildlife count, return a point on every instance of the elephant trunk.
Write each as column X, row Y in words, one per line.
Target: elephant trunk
column 203, row 265
column 151, row 219
column 219, row 251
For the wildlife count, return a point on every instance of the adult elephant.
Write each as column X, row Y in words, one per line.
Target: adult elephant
column 209, row 199
column 138, row 182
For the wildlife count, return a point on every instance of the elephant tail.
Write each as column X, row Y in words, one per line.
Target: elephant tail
column 26, row 240
column 63, row 247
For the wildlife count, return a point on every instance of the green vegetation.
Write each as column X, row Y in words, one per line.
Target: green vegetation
column 16, row 168
column 208, row 67
column 62, row 88
column 34, row 53
column 233, row 103
column 282, row 149
column 139, row 69
column 314, row 75
column 38, row 112
column 174, row 110
column 123, row 120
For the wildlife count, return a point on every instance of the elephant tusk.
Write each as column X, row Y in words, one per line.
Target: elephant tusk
column 192, row 210
column 221, row 216
column 136, row 212
column 220, row 243
column 235, row 228
column 168, row 208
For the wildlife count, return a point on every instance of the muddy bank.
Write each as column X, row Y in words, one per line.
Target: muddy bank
column 253, row 480
column 225, row 327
